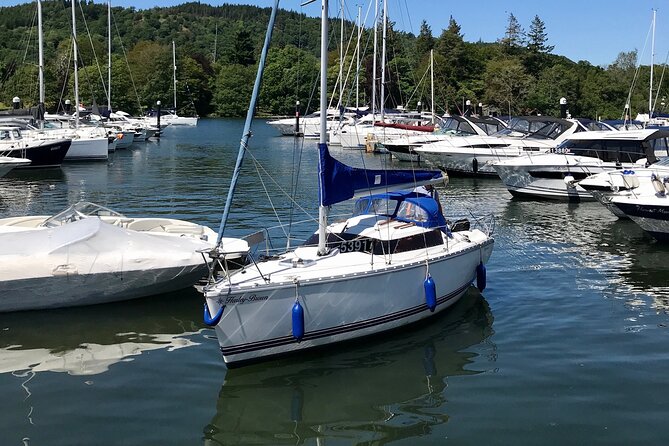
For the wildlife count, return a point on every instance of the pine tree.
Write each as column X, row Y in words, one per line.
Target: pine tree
column 425, row 40
column 514, row 35
column 537, row 37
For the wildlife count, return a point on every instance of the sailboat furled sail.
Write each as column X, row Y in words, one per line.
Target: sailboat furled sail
column 340, row 182
column 394, row 262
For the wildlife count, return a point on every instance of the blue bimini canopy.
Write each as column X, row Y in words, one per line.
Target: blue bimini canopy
column 339, row 182
column 422, row 211
column 406, row 206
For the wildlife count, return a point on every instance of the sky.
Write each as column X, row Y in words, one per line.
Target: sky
column 592, row 30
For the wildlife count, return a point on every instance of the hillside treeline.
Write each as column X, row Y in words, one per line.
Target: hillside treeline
column 217, row 48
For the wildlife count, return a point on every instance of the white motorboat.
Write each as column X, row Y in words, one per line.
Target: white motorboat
column 556, row 175
column 630, row 182
column 475, row 155
column 394, row 262
column 7, row 163
column 89, row 254
column 370, row 131
column 453, row 126
column 650, row 212
column 309, row 125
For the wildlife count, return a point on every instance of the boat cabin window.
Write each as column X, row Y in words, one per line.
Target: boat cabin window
column 409, row 211
column 549, row 131
column 489, row 128
column 660, row 145
column 375, row 206
column 609, row 151
column 452, row 126
column 10, row 134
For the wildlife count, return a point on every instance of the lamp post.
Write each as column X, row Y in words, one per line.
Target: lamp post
column 297, row 118
column 158, row 119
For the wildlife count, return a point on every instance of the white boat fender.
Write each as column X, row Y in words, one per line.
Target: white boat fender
column 212, row 321
column 570, row 181
column 481, row 278
column 658, row 185
column 298, row 321
column 475, row 165
column 430, row 293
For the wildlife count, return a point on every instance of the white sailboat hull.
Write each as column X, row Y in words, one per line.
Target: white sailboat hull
column 359, row 300
column 84, row 149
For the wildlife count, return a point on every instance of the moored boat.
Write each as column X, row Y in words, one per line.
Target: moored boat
column 394, row 262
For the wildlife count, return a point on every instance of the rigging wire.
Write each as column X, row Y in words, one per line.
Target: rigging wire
column 125, row 55
column 95, row 57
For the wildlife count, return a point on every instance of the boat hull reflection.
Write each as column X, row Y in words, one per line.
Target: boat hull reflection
column 383, row 391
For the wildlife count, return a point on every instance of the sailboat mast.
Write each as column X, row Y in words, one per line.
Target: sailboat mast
column 215, row 41
column 357, row 62
column 76, row 68
column 40, row 37
column 376, row 22
column 174, row 63
column 383, row 58
column 432, row 84
column 341, row 57
column 652, row 62
column 247, row 124
column 322, row 210
column 109, row 52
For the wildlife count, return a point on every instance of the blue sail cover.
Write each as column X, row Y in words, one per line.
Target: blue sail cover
column 339, row 182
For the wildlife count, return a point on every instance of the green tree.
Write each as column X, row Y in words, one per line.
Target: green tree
column 514, row 36
column 537, row 37
column 242, row 51
column 553, row 84
column 290, row 75
column 232, row 90
column 425, row 40
column 450, row 46
column 507, row 85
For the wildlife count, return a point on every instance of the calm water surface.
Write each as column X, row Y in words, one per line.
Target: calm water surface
column 567, row 345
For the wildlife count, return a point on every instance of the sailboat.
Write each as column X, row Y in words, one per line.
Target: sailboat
column 394, row 262
column 87, row 143
column 170, row 117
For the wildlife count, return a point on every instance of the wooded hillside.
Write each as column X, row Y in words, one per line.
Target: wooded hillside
column 218, row 47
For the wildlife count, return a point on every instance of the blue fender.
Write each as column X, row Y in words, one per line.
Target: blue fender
column 211, row 321
column 298, row 321
column 481, row 277
column 430, row 293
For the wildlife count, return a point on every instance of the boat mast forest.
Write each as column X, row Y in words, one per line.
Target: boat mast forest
column 218, row 48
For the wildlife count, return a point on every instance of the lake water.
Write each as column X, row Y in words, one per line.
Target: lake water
column 567, row 345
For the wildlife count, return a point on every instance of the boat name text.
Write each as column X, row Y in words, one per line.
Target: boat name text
column 245, row 299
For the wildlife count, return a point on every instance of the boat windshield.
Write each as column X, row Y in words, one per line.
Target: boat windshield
column 610, row 150
column 532, row 128
column 663, row 161
column 490, row 128
column 78, row 211
column 452, row 126
column 375, row 205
